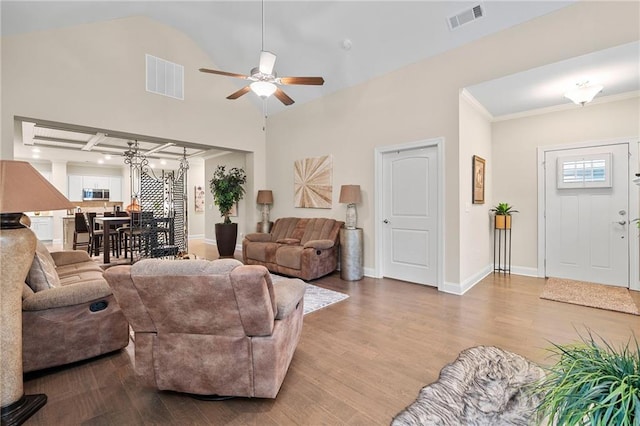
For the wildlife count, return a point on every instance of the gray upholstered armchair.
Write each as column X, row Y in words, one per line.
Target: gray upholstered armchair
column 210, row 327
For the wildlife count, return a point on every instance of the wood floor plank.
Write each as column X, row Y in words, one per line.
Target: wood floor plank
column 359, row 362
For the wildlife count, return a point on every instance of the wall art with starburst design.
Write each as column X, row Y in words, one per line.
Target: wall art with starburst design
column 312, row 182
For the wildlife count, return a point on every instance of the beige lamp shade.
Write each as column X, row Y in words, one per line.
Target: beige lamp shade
column 24, row 189
column 265, row 196
column 350, row 194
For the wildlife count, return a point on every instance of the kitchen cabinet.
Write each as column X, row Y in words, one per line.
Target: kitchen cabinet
column 95, row 182
column 43, row 227
column 115, row 188
column 75, row 188
column 78, row 182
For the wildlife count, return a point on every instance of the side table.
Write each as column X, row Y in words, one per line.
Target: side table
column 351, row 254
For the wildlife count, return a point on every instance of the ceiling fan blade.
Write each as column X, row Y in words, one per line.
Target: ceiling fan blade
column 283, row 97
column 313, row 81
column 228, row 74
column 267, row 61
column 237, row 94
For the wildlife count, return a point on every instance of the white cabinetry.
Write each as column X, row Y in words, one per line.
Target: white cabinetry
column 43, row 227
column 75, row 188
column 115, row 188
column 78, row 182
column 95, row 182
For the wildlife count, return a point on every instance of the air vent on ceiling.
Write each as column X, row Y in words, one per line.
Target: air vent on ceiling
column 466, row 16
column 164, row 77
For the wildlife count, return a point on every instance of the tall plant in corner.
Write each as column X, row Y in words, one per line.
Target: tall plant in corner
column 226, row 187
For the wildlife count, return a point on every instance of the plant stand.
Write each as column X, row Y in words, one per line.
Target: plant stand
column 502, row 250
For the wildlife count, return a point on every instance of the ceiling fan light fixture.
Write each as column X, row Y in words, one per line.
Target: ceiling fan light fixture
column 264, row 89
column 583, row 93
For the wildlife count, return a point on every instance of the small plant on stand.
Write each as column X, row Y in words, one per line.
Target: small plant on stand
column 503, row 213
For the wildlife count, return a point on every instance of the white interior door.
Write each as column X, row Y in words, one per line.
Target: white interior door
column 587, row 214
column 410, row 215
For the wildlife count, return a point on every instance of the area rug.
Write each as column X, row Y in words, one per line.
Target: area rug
column 316, row 297
column 485, row 385
column 589, row 294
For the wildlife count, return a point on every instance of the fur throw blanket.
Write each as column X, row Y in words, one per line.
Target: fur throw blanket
column 484, row 386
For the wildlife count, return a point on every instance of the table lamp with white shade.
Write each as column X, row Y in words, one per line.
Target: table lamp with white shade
column 22, row 189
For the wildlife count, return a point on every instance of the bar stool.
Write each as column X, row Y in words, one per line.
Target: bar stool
column 80, row 230
column 97, row 235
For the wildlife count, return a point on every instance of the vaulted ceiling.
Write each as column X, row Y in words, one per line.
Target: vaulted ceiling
column 346, row 42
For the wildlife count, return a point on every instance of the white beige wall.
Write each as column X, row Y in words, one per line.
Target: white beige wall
column 421, row 102
column 94, row 75
column 476, row 247
column 515, row 178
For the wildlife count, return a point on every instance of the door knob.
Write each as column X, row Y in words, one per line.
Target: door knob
column 385, row 221
column 620, row 222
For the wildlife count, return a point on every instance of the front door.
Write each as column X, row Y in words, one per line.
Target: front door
column 410, row 215
column 587, row 214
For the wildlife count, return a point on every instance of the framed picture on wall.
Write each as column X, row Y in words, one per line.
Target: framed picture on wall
column 478, row 179
column 199, row 199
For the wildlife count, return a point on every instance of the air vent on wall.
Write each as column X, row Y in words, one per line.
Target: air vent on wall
column 466, row 16
column 164, row 77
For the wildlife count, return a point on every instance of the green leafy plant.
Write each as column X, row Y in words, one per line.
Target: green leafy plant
column 503, row 209
column 593, row 384
column 226, row 187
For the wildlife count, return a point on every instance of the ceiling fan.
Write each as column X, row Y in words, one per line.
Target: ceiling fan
column 264, row 80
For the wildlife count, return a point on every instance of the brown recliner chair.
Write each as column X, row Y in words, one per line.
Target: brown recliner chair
column 69, row 313
column 210, row 327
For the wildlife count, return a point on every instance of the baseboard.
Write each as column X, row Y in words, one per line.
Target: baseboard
column 196, row 237
column 466, row 285
column 524, row 270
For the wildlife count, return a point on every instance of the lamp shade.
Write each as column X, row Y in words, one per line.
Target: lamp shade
column 265, row 196
column 24, row 189
column 350, row 194
column 264, row 89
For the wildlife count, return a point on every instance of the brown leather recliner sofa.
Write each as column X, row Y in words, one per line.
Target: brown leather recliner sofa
column 68, row 311
column 210, row 327
column 306, row 248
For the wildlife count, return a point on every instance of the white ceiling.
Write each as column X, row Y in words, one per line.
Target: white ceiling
column 309, row 39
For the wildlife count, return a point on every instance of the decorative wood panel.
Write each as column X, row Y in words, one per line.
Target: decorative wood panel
column 313, row 182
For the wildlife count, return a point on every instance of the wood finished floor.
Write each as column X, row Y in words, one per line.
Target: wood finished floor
column 359, row 362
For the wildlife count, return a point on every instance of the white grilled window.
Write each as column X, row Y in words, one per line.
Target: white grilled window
column 587, row 171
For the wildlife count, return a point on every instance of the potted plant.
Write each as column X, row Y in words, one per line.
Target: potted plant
column 592, row 384
column 503, row 215
column 226, row 187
